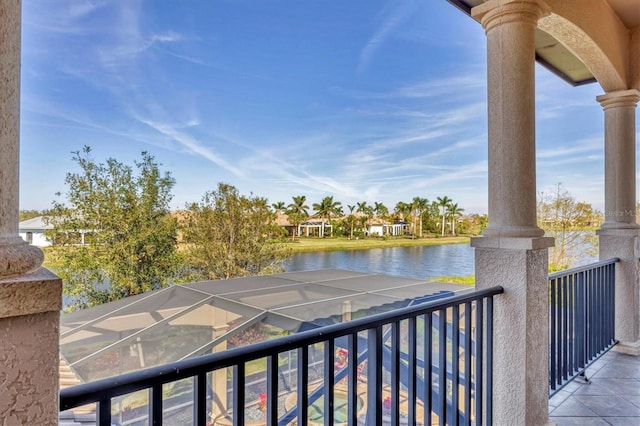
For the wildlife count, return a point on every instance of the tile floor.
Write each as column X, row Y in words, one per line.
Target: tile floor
column 610, row 397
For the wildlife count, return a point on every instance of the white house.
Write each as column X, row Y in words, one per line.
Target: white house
column 381, row 228
column 32, row 231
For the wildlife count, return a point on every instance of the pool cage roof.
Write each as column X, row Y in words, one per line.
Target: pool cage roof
column 184, row 321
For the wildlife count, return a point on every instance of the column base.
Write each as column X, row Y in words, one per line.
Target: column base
column 628, row 348
column 513, row 232
column 512, row 243
column 520, row 327
column 18, row 257
column 624, row 244
column 618, row 231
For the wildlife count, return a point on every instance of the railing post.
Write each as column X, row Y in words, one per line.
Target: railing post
column 520, row 328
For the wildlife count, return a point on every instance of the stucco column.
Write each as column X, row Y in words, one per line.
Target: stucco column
column 510, row 28
column 16, row 256
column 619, row 235
column 30, row 296
column 513, row 251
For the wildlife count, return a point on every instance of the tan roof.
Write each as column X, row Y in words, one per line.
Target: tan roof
column 282, row 220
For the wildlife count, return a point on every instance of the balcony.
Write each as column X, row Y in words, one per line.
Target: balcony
column 512, row 254
column 386, row 368
column 609, row 396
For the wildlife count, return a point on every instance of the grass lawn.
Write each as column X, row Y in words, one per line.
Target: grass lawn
column 464, row 280
column 305, row 245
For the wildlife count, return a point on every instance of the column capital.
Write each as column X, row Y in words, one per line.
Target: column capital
column 619, row 98
column 494, row 13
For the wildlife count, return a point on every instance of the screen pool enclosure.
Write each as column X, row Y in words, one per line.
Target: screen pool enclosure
column 184, row 321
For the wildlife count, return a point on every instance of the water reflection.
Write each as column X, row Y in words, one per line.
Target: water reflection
column 414, row 262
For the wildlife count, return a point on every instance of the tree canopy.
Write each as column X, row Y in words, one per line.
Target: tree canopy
column 230, row 235
column 116, row 230
column 567, row 220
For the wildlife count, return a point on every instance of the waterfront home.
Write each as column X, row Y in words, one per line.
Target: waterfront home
column 33, row 231
column 583, row 41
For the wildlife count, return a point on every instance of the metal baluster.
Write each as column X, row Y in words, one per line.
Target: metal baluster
column 455, row 362
column 303, row 384
column 329, row 380
column 467, row 363
column 442, row 366
column 479, row 361
column 428, row 368
column 412, row 360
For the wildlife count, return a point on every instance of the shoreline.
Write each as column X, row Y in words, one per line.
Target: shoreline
column 310, row 245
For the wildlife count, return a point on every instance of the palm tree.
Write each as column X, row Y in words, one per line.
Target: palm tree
column 380, row 209
column 403, row 210
column 444, row 203
column 366, row 210
column 454, row 211
column 419, row 206
column 299, row 205
column 363, row 208
column 324, row 209
column 279, row 207
column 297, row 211
column 351, row 219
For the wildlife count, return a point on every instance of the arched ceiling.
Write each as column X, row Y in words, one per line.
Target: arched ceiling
column 585, row 41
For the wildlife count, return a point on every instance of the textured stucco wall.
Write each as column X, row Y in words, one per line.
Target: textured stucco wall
column 29, row 341
column 521, row 332
column 29, row 362
column 625, row 245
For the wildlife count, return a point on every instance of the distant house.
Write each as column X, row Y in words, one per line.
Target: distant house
column 32, row 231
column 314, row 226
column 283, row 221
column 381, row 228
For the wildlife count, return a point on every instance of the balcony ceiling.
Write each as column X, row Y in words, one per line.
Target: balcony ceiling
column 554, row 56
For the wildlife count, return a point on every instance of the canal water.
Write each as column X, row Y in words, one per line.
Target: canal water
column 418, row 262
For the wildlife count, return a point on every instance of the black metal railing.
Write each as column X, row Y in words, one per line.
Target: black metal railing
column 582, row 312
column 423, row 364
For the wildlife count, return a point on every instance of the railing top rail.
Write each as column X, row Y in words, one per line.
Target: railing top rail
column 138, row 380
column 583, row 268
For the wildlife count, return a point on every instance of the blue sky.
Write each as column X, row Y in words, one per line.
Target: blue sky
column 364, row 100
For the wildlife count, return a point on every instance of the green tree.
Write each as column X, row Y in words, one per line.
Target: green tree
column 230, row 235
column 29, row 214
column 131, row 238
column 380, row 210
column 443, row 203
column 419, row 207
column 367, row 212
column 571, row 223
column 326, row 208
column 351, row 219
column 402, row 210
column 297, row 212
column 279, row 207
column 454, row 212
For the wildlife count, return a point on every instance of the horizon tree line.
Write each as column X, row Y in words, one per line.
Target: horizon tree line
column 419, row 214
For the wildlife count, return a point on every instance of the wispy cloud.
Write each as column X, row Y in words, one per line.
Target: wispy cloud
column 578, row 149
column 192, row 145
column 80, row 9
column 390, row 22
